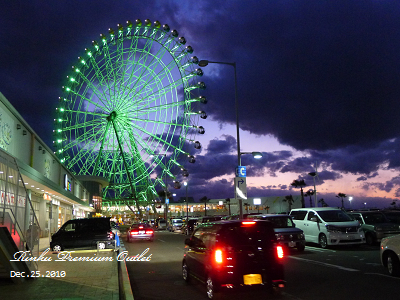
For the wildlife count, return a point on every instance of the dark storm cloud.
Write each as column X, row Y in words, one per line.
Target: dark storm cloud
column 316, row 74
column 222, row 146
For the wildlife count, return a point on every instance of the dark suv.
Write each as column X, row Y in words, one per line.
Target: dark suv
column 90, row 232
column 234, row 255
column 285, row 230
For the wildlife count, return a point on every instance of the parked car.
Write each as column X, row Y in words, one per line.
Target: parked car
column 89, row 232
column 188, row 227
column 237, row 217
column 141, row 231
column 375, row 225
column 390, row 254
column 234, row 255
column 175, row 224
column 161, row 224
column 328, row 226
column 285, row 230
column 206, row 219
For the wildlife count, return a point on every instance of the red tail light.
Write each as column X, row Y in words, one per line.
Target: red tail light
column 247, row 223
column 279, row 251
column 219, row 256
column 134, row 232
column 149, row 231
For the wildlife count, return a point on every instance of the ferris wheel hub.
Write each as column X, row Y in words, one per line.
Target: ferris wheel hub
column 112, row 116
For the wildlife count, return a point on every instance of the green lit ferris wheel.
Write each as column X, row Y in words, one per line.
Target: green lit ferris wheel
column 130, row 111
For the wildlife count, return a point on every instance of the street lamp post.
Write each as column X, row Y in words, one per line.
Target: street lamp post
column 187, row 204
column 204, row 63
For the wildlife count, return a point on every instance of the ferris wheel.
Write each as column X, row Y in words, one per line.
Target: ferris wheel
column 130, row 110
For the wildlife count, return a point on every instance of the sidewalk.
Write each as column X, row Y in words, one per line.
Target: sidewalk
column 79, row 279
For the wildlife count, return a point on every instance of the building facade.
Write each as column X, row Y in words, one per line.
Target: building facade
column 56, row 195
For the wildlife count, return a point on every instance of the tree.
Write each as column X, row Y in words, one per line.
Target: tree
column 323, row 203
column 246, row 206
column 310, row 193
column 300, row 184
column 289, row 199
column 341, row 196
column 393, row 204
column 204, row 199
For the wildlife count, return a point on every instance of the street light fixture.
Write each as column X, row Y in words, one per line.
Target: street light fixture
column 256, row 155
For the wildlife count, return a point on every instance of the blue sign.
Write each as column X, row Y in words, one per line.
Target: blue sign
column 167, row 201
column 241, row 171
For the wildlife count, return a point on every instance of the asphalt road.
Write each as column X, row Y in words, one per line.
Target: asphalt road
column 315, row 274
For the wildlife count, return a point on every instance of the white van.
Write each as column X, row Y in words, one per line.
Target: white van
column 328, row 226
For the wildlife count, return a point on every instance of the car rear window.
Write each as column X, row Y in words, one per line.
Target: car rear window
column 250, row 235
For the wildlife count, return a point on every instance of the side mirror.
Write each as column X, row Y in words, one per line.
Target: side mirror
column 188, row 242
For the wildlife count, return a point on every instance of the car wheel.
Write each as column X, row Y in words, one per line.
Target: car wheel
column 212, row 290
column 101, row 245
column 393, row 264
column 323, row 241
column 300, row 247
column 369, row 239
column 185, row 272
column 58, row 248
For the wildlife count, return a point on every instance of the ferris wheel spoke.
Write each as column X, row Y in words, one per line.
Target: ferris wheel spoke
column 158, row 138
column 156, row 58
column 160, row 76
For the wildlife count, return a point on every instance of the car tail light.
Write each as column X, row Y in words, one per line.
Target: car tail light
column 134, row 232
column 110, row 235
column 279, row 251
column 218, row 256
column 248, row 223
column 149, row 231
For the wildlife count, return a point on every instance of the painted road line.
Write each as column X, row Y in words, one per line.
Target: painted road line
column 324, row 264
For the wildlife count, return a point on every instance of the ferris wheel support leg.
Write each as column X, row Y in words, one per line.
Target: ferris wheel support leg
column 111, row 118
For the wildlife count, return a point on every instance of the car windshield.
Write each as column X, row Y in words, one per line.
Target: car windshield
column 334, row 216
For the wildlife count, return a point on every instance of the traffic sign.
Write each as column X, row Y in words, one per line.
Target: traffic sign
column 240, row 188
column 241, row 171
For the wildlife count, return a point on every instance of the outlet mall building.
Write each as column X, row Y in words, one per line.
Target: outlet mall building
column 30, row 169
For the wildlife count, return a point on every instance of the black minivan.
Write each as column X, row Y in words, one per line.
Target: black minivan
column 234, row 255
column 90, row 232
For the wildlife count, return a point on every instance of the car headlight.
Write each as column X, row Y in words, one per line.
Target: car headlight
column 331, row 228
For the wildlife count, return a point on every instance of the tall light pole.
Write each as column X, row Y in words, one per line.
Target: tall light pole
column 187, row 204
column 204, row 63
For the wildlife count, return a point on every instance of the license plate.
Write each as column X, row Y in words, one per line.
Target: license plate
column 142, row 232
column 250, row 279
column 292, row 244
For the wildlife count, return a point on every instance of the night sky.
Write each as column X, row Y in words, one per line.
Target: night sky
column 318, row 81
